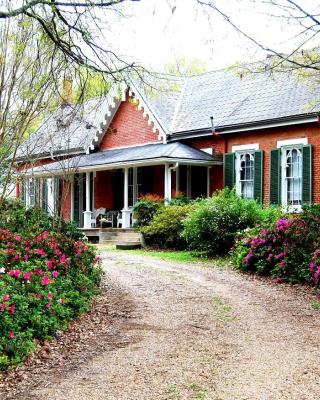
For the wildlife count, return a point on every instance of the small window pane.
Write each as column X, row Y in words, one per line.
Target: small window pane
column 246, row 174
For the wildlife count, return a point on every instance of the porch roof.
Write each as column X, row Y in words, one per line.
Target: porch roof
column 149, row 154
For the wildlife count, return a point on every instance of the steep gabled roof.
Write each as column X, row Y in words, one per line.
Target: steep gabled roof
column 182, row 105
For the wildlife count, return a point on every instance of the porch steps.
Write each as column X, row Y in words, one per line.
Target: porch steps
column 115, row 236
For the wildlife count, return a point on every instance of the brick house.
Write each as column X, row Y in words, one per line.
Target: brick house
column 259, row 133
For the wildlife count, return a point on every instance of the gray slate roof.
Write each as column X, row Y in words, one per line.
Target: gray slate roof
column 182, row 105
column 171, row 152
column 231, row 100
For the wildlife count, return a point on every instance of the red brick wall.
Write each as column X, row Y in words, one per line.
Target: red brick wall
column 128, row 128
column 267, row 139
column 103, row 190
column 66, row 200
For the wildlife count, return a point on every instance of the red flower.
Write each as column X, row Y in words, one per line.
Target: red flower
column 11, row 335
column 6, row 297
column 11, row 309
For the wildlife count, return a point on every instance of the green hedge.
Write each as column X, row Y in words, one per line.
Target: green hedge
column 165, row 229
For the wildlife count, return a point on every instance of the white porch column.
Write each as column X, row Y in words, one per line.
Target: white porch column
column 126, row 212
column 167, row 183
column 88, row 213
column 208, row 181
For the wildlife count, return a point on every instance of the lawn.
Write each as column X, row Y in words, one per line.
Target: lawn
column 182, row 256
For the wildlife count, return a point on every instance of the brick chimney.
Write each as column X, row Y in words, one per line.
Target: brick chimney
column 67, row 90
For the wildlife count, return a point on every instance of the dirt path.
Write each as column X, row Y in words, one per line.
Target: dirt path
column 180, row 331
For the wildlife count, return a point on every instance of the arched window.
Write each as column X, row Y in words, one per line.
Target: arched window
column 245, row 174
column 293, row 176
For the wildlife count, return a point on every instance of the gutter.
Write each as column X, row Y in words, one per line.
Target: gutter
column 117, row 165
column 223, row 130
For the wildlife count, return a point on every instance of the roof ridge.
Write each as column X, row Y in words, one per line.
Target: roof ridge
column 178, row 105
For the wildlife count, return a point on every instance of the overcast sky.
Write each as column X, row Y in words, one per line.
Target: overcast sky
column 156, row 31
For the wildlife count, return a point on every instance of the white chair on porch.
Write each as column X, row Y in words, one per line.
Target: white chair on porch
column 96, row 214
column 119, row 219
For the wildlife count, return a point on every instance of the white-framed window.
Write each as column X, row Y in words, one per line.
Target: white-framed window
column 291, row 173
column 134, row 185
column 245, row 174
column 244, row 163
column 292, row 176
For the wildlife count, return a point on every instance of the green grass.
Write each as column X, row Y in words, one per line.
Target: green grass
column 224, row 310
column 183, row 256
column 315, row 304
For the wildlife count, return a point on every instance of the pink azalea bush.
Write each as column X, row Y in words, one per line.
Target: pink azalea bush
column 46, row 279
column 288, row 250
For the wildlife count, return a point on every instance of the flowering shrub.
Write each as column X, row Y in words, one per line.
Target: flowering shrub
column 146, row 208
column 46, row 279
column 282, row 251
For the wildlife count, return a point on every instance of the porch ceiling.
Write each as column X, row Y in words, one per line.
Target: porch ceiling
column 149, row 154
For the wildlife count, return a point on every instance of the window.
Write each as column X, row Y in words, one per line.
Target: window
column 292, row 176
column 245, row 174
column 134, row 185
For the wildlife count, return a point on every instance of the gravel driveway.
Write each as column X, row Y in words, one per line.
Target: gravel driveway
column 187, row 331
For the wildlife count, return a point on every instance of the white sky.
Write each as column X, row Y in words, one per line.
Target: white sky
column 153, row 35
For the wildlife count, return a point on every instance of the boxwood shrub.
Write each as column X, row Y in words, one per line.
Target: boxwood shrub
column 213, row 224
column 165, row 229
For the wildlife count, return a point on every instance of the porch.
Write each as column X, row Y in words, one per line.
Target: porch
column 107, row 184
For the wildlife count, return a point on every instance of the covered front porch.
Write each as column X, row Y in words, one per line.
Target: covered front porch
column 106, row 185
column 106, row 198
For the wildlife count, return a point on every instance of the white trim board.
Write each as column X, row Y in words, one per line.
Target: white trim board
column 292, row 142
column 241, row 147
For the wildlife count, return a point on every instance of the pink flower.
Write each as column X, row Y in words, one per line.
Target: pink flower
column 2, row 306
column 50, row 296
column 40, row 252
column 55, row 274
column 6, row 297
column 283, row 263
column 16, row 257
column 45, row 281
column 49, row 305
column 27, row 276
column 38, row 272
column 312, row 266
column 50, row 264
column 18, row 238
column 11, row 335
column 26, row 257
column 14, row 272
column 61, row 301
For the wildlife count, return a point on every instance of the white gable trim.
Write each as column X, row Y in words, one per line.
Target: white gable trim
column 113, row 108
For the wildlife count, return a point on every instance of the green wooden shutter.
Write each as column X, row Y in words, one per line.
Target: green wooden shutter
column 44, row 195
column 307, row 174
column 37, row 192
column 229, row 170
column 258, row 176
column 23, row 191
column 275, row 177
column 76, row 199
